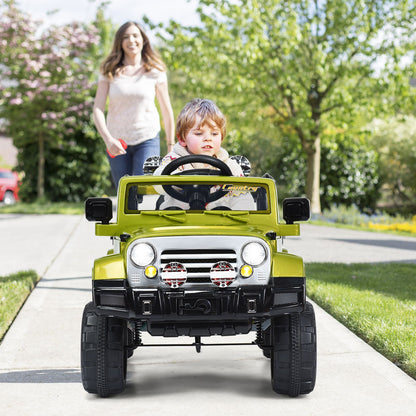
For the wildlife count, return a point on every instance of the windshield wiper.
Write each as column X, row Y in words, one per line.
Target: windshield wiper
column 241, row 216
column 174, row 216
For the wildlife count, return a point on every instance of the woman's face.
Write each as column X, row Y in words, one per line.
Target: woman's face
column 132, row 41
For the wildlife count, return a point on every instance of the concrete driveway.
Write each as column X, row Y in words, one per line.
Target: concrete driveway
column 39, row 357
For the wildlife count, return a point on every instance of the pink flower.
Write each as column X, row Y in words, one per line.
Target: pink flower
column 16, row 101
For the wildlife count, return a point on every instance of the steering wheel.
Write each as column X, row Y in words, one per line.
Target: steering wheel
column 196, row 195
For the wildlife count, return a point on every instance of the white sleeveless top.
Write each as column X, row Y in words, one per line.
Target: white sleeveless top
column 132, row 114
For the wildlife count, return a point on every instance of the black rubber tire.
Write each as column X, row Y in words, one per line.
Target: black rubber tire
column 267, row 351
column 293, row 355
column 9, row 198
column 103, row 353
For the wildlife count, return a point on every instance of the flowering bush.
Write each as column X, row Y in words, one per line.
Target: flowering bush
column 406, row 226
column 351, row 215
column 46, row 94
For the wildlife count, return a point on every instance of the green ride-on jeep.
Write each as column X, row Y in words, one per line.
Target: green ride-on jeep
column 198, row 254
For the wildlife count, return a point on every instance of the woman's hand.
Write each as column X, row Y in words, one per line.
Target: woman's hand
column 116, row 147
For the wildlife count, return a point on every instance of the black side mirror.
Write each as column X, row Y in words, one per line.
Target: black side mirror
column 296, row 209
column 99, row 209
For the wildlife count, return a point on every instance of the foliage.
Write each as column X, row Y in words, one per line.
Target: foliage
column 380, row 221
column 14, row 289
column 349, row 174
column 349, row 169
column 395, row 141
column 299, row 65
column 376, row 301
column 347, row 215
column 46, row 101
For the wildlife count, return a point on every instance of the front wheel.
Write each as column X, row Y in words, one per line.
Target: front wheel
column 293, row 352
column 103, row 353
column 9, row 198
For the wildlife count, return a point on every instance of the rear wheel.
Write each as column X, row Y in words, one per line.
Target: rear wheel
column 103, row 353
column 293, row 352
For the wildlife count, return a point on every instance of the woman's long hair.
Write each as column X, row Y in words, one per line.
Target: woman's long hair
column 114, row 61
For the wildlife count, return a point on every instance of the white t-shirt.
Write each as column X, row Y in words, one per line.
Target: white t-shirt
column 132, row 113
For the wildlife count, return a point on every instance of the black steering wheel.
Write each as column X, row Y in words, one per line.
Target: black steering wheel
column 196, row 195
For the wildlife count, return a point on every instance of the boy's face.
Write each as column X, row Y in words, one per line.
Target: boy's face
column 202, row 140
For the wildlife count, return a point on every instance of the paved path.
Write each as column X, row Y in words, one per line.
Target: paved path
column 340, row 245
column 39, row 357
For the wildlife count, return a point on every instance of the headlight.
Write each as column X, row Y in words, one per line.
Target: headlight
column 253, row 254
column 142, row 254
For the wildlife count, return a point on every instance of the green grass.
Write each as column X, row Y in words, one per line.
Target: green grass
column 67, row 208
column 375, row 301
column 14, row 289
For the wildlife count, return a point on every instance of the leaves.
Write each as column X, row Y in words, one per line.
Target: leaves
column 314, row 64
column 47, row 79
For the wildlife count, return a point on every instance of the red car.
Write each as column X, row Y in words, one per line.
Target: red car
column 9, row 186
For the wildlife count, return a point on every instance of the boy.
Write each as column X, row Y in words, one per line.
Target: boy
column 200, row 129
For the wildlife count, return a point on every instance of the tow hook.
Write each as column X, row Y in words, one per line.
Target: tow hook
column 197, row 344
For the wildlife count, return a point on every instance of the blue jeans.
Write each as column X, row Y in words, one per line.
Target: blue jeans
column 131, row 163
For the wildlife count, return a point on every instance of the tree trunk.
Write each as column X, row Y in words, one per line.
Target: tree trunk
column 41, row 168
column 313, row 175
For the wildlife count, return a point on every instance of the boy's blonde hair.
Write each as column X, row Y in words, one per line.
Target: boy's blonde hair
column 208, row 113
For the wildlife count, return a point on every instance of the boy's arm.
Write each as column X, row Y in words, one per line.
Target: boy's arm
column 166, row 160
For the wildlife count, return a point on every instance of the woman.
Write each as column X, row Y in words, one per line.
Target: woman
column 132, row 76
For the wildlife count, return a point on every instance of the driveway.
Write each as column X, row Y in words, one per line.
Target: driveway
column 39, row 357
column 340, row 245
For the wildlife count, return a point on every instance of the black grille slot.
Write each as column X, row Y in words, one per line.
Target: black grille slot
column 198, row 263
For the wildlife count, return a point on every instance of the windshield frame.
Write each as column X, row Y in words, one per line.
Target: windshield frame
column 239, row 186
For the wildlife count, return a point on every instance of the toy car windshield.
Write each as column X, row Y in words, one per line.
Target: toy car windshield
column 197, row 195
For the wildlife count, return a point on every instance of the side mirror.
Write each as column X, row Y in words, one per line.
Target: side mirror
column 151, row 164
column 296, row 209
column 243, row 162
column 99, row 209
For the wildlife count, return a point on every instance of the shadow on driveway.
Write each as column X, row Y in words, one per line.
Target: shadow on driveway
column 401, row 245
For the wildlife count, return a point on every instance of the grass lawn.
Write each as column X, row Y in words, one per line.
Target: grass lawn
column 375, row 301
column 14, row 289
column 66, row 208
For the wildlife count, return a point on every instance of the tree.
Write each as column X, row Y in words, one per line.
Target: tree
column 302, row 65
column 46, row 100
column 395, row 139
column 349, row 168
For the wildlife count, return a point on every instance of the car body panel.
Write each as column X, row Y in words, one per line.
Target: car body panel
column 9, row 182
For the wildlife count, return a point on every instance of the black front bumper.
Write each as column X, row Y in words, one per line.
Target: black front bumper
column 244, row 303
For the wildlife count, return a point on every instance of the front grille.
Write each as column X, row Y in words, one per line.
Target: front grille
column 198, row 254
column 198, row 262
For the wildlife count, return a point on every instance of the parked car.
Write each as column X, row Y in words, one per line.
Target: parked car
column 198, row 254
column 9, row 186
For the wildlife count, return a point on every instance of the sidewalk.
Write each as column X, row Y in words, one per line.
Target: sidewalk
column 39, row 357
